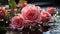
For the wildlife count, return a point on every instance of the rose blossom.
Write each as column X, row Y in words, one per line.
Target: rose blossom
column 45, row 16
column 17, row 21
column 2, row 12
column 51, row 10
column 31, row 13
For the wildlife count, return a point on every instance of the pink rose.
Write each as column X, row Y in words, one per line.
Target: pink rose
column 45, row 16
column 31, row 13
column 2, row 12
column 51, row 10
column 17, row 21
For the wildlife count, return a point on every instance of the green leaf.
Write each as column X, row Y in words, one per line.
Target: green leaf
column 2, row 28
column 33, row 28
column 12, row 4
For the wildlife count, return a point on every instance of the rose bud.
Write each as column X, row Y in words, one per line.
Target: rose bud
column 31, row 13
column 17, row 22
column 25, row 4
column 51, row 10
column 14, row 10
column 45, row 16
column 22, row 5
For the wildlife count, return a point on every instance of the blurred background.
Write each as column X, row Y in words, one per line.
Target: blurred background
column 36, row 2
column 44, row 3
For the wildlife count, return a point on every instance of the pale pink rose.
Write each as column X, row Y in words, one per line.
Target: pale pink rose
column 2, row 12
column 51, row 10
column 17, row 21
column 45, row 16
column 31, row 13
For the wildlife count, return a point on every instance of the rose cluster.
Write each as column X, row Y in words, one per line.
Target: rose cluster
column 30, row 16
